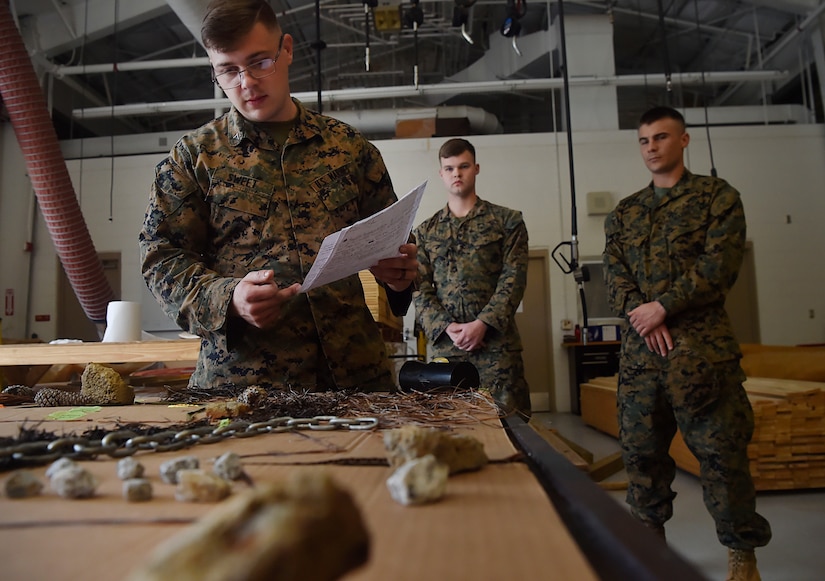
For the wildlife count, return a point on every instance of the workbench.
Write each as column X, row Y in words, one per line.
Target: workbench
column 529, row 514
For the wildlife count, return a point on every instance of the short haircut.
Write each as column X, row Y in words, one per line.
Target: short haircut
column 227, row 21
column 661, row 112
column 455, row 146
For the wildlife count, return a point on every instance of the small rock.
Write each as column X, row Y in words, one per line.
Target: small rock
column 229, row 466
column 22, row 484
column 137, row 490
column 74, row 482
column 169, row 469
column 199, row 486
column 59, row 464
column 128, row 468
column 419, row 481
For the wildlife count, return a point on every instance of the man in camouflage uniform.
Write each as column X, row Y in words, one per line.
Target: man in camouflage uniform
column 237, row 214
column 673, row 251
column 472, row 259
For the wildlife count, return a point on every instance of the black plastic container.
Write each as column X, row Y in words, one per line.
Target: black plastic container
column 418, row 376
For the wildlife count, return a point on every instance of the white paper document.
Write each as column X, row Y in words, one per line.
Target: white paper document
column 363, row 244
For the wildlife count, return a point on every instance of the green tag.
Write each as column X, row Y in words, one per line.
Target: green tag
column 224, row 422
column 73, row 413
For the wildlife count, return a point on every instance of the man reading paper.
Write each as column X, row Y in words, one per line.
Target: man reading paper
column 238, row 211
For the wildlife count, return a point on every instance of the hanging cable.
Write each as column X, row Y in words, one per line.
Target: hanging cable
column 113, row 99
column 668, row 81
column 318, row 45
column 368, row 6
column 511, row 27
column 413, row 18
column 704, row 89
column 570, row 265
column 461, row 14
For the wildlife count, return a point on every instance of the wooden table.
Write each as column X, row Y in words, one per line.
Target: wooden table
column 525, row 516
column 87, row 352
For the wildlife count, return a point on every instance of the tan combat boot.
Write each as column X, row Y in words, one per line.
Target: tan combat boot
column 742, row 566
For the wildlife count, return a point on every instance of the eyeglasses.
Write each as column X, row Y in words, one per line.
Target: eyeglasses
column 258, row 70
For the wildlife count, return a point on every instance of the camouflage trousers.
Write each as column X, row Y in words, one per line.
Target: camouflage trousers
column 710, row 407
column 500, row 372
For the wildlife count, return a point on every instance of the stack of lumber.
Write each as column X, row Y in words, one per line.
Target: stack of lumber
column 377, row 302
column 787, row 450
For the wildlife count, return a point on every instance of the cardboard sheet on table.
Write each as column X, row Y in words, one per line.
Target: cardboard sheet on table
column 496, row 523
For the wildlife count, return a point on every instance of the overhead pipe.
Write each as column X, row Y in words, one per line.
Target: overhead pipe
column 48, row 173
column 484, row 87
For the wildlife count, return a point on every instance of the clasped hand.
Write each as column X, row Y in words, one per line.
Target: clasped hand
column 648, row 320
column 467, row 336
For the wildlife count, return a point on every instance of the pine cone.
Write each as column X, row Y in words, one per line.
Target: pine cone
column 21, row 390
column 50, row 397
column 253, row 396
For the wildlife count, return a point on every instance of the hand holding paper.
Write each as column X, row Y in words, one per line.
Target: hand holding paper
column 363, row 244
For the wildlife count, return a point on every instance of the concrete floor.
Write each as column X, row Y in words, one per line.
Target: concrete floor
column 796, row 552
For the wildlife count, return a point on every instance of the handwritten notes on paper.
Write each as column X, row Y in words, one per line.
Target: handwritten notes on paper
column 363, row 244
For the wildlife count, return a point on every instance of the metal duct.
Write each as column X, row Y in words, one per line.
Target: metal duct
column 48, row 173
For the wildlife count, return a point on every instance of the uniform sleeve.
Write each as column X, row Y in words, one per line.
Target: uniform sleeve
column 512, row 281
column 173, row 242
column 431, row 314
column 623, row 294
column 377, row 191
column 714, row 271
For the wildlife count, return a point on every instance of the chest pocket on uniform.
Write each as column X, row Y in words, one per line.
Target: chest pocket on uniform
column 239, row 207
column 235, row 192
column 686, row 235
column 337, row 188
column 484, row 244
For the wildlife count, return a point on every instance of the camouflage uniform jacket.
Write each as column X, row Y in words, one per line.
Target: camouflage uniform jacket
column 472, row 268
column 227, row 201
column 684, row 251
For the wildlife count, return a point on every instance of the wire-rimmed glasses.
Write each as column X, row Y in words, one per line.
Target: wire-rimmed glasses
column 257, row 70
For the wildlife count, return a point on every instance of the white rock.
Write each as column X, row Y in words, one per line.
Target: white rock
column 74, row 482
column 229, row 466
column 419, row 481
column 129, row 467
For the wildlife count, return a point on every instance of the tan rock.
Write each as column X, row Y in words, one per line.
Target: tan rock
column 104, row 386
column 458, row 451
column 304, row 528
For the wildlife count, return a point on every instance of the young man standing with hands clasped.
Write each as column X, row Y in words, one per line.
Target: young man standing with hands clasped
column 473, row 271
column 673, row 251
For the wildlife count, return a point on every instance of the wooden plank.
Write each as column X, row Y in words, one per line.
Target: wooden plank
column 560, row 445
column 607, row 466
column 779, row 387
column 84, row 353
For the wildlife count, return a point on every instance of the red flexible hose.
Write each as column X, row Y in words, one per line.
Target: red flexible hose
column 48, row 173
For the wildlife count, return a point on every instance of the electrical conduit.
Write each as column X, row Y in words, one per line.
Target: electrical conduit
column 48, row 173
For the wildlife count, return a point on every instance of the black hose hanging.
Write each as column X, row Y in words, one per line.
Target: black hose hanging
column 704, row 98
column 318, row 45
column 571, row 265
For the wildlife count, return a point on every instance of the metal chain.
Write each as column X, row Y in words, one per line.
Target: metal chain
column 126, row 443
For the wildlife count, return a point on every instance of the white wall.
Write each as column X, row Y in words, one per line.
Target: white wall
column 778, row 169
